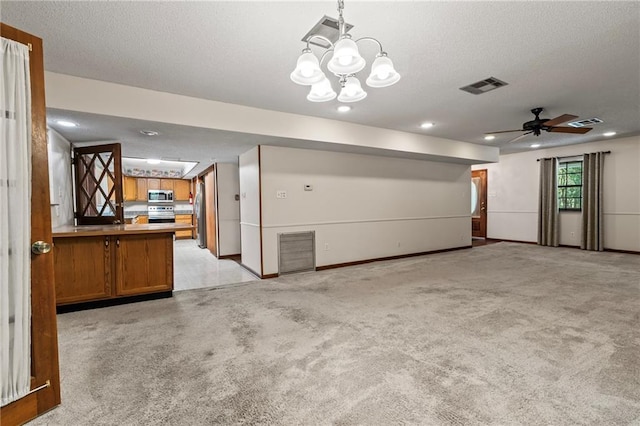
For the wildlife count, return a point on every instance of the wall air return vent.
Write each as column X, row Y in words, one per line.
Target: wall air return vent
column 588, row 122
column 326, row 27
column 296, row 252
column 484, row 86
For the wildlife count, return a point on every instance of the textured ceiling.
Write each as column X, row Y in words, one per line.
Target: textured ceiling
column 581, row 58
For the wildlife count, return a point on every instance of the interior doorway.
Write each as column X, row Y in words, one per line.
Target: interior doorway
column 479, row 203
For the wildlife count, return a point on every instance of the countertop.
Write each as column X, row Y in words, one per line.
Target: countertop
column 97, row 230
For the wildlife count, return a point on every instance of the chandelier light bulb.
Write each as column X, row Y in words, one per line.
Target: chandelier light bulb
column 307, row 70
column 352, row 91
column 321, row 92
column 346, row 59
column 382, row 72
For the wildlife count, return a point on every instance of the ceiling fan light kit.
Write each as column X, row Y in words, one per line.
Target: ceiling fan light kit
column 344, row 63
column 537, row 125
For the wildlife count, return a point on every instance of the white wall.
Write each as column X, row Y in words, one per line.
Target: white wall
column 60, row 185
column 512, row 202
column 228, row 217
column 70, row 93
column 362, row 207
column 249, row 178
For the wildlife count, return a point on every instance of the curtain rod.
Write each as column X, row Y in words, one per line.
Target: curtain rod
column 569, row 156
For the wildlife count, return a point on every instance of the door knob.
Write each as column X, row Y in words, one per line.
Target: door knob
column 40, row 247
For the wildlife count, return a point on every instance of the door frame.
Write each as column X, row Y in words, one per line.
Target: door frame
column 44, row 331
column 481, row 231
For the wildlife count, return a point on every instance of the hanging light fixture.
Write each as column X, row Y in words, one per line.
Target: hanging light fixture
column 344, row 63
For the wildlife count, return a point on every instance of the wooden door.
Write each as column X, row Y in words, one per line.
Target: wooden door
column 142, row 189
column 82, row 269
column 479, row 203
column 130, row 189
column 153, row 183
column 98, row 189
column 44, row 331
column 210, row 209
column 181, row 189
column 143, row 263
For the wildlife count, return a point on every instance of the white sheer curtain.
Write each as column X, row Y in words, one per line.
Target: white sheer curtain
column 15, row 221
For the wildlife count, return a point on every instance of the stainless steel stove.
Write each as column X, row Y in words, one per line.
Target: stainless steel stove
column 161, row 214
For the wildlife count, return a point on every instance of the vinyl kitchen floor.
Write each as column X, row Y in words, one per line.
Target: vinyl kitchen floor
column 198, row 268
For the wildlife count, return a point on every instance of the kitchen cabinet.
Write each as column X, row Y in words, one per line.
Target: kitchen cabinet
column 99, row 267
column 142, row 189
column 153, row 183
column 186, row 219
column 181, row 189
column 130, row 189
column 82, row 267
column 166, row 184
column 140, row 219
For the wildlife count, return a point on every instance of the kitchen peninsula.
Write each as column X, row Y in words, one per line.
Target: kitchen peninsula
column 113, row 262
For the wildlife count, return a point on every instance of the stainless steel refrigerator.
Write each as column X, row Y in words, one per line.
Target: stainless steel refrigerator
column 201, row 216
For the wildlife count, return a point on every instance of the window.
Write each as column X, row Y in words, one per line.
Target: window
column 570, row 185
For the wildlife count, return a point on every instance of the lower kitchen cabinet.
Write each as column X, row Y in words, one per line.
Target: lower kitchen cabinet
column 90, row 268
column 83, row 270
column 186, row 219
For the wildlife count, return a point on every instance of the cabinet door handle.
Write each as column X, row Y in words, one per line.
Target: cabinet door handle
column 106, row 241
column 118, row 242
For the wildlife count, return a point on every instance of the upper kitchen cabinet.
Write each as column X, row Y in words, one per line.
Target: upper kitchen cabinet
column 167, row 185
column 130, row 189
column 153, row 183
column 181, row 189
column 142, row 186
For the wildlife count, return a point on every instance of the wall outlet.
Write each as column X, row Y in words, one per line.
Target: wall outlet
column 399, row 244
column 326, row 246
column 573, row 234
column 281, row 194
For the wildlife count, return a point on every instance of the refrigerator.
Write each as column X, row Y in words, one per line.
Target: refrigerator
column 201, row 216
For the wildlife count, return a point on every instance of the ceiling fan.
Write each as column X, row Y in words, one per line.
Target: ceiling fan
column 537, row 125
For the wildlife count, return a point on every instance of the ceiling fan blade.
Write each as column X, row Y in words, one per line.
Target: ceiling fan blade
column 504, row 131
column 559, row 119
column 519, row 137
column 579, row 130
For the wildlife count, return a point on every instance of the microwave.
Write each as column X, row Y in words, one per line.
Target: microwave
column 160, row 196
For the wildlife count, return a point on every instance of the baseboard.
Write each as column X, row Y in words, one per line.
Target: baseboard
column 379, row 259
column 63, row 309
column 250, row 270
column 622, row 251
column 269, row 276
column 229, row 256
column 498, row 240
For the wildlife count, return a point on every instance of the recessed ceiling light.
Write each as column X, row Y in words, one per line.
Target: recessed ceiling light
column 344, row 108
column 427, row 125
column 153, row 161
column 535, row 145
column 149, row 132
column 609, row 134
column 65, row 123
column 489, row 138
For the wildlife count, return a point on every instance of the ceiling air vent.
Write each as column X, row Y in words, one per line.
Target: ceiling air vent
column 326, row 27
column 484, row 86
column 588, row 122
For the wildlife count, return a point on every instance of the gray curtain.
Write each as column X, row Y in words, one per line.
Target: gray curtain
column 592, row 204
column 548, row 221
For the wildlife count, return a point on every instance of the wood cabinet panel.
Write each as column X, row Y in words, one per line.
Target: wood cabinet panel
column 166, row 184
column 186, row 219
column 82, row 269
column 141, row 219
column 143, row 264
column 130, row 188
column 153, row 183
column 142, row 189
column 181, row 189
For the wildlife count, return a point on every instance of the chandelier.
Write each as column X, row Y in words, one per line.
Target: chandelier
column 344, row 64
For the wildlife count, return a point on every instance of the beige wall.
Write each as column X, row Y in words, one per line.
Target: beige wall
column 60, row 185
column 362, row 207
column 512, row 202
column 249, row 172
column 228, row 185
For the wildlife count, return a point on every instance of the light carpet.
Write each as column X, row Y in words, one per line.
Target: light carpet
column 502, row 334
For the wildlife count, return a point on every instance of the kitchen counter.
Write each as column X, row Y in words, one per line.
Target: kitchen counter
column 97, row 230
